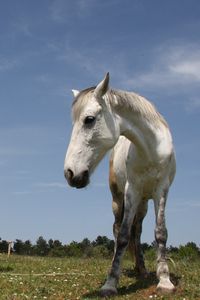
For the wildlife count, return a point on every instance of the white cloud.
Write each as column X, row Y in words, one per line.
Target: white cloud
column 172, row 66
column 189, row 68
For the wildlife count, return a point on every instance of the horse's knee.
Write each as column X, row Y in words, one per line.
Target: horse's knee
column 122, row 243
column 123, row 238
column 161, row 235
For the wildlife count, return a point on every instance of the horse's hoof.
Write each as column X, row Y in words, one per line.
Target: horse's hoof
column 165, row 288
column 143, row 273
column 108, row 291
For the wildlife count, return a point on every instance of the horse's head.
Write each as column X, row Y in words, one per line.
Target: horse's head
column 95, row 131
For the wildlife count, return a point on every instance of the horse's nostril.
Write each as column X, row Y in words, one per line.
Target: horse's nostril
column 86, row 174
column 69, row 174
column 77, row 180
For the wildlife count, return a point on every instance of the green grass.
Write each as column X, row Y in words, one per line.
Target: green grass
column 74, row 278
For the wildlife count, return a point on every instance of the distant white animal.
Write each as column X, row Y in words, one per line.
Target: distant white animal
column 142, row 167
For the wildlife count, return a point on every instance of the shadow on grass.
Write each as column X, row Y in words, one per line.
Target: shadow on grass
column 4, row 269
column 140, row 284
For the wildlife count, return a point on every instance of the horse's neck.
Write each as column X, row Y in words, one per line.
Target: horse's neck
column 151, row 137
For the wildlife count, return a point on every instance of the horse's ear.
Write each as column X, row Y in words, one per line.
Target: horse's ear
column 102, row 87
column 75, row 93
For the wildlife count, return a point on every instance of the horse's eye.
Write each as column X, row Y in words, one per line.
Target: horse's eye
column 89, row 120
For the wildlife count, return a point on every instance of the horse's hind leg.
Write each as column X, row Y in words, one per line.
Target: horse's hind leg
column 164, row 285
column 135, row 242
column 118, row 210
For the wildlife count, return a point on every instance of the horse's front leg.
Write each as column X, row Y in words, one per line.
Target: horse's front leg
column 130, row 205
column 164, row 285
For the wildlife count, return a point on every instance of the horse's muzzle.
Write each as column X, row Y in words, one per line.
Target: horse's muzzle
column 79, row 181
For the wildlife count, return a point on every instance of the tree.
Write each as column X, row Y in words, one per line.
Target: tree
column 73, row 249
column 56, row 248
column 18, row 247
column 3, row 246
column 28, row 248
column 145, row 247
column 101, row 240
column 50, row 244
column 86, row 248
column 189, row 251
column 173, row 249
column 42, row 247
column 57, row 244
column 103, row 246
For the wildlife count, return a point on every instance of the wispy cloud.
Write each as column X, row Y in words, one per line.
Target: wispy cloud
column 54, row 185
column 21, row 141
column 100, row 184
column 61, row 10
column 171, row 66
column 23, row 28
column 186, row 204
column 52, row 86
column 81, row 59
column 187, row 65
column 17, row 150
column 22, row 193
column 42, row 187
column 193, row 105
column 7, row 63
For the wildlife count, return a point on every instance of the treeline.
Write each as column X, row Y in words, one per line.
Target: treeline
column 100, row 247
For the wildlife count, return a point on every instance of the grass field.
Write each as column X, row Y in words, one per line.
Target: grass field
column 73, row 278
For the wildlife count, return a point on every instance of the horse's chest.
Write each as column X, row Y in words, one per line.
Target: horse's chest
column 146, row 180
column 128, row 166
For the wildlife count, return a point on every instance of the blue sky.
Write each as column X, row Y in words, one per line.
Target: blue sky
column 50, row 47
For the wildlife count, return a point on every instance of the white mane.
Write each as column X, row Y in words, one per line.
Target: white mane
column 119, row 100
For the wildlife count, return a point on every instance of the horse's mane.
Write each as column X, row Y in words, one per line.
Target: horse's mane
column 137, row 104
column 120, row 100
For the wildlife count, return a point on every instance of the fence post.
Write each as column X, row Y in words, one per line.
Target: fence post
column 9, row 247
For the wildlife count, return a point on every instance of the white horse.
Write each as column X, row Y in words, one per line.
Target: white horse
column 142, row 167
